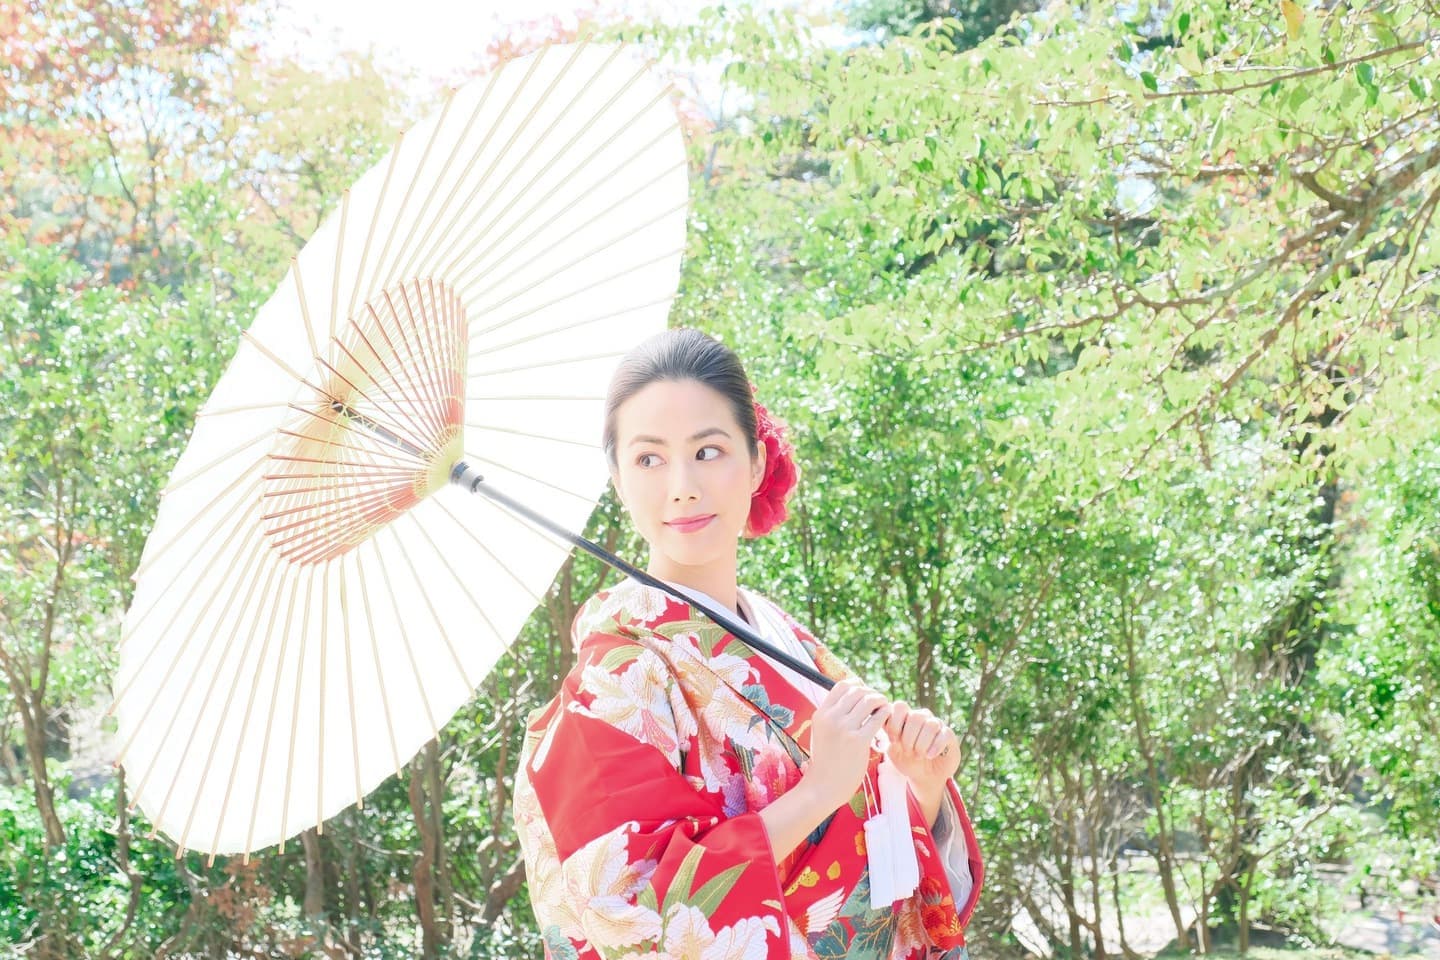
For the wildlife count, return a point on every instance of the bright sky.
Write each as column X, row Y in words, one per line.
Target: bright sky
column 437, row 38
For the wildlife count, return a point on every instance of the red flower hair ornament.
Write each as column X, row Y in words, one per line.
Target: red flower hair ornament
column 767, row 503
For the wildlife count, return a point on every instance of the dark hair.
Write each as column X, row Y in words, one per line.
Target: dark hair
column 677, row 355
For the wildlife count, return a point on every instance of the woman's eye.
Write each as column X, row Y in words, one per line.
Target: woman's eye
column 645, row 458
column 713, row 451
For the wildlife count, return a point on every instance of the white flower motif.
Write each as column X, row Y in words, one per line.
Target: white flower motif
column 688, row 936
column 637, row 700
column 603, row 882
column 744, row 940
column 634, row 599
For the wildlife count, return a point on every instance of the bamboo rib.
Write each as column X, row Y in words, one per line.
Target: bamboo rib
column 426, row 424
column 463, row 583
column 474, row 153
column 558, row 269
column 244, row 408
column 538, row 598
column 285, row 572
column 409, row 649
column 417, row 361
column 390, row 451
column 270, row 713
column 350, row 687
column 570, row 295
column 424, row 333
column 429, row 604
column 377, row 411
column 514, row 247
column 360, row 277
column 304, row 311
column 476, row 458
column 481, row 237
column 238, row 672
column 417, row 424
column 339, row 253
column 379, row 275
column 441, row 236
column 389, row 272
column 174, row 485
column 295, row 710
column 363, row 583
column 179, row 608
column 151, row 559
column 566, row 328
column 204, row 652
column 587, row 444
column 423, row 360
column 562, row 361
column 320, row 748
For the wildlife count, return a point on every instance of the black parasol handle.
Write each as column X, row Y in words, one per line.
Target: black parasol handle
column 465, row 475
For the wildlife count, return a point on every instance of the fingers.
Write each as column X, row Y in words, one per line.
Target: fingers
column 870, row 729
column 918, row 730
column 867, row 708
column 899, row 713
column 852, row 703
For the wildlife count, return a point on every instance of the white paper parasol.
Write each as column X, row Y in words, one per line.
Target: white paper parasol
column 316, row 599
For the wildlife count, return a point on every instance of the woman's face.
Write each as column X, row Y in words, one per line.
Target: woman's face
column 684, row 471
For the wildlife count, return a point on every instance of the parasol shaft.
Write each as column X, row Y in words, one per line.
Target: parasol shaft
column 471, row 479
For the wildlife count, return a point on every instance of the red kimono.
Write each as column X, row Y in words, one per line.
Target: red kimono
column 637, row 802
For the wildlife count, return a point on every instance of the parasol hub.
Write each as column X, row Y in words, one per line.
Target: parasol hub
column 374, row 429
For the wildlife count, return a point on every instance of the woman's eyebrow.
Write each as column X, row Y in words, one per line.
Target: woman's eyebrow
column 708, row 432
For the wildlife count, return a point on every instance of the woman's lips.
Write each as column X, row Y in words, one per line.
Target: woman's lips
column 690, row 526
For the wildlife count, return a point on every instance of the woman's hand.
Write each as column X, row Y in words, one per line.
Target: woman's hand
column 841, row 732
column 924, row 749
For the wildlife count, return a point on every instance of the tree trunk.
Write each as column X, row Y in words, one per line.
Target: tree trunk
column 1164, row 841
column 314, row 874
column 423, row 872
column 34, row 719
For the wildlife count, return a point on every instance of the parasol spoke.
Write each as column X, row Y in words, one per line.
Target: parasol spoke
column 513, row 248
column 249, row 709
column 430, row 604
column 415, row 180
column 400, row 621
column 567, row 328
column 195, row 672
column 526, row 433
column 345, row 635
column 374, row 226
column 571, row 293
column 562, row 181
column 270, row 713
column 179, row 608
column 375, row 656
column 392, row 272
column 424, row 253
column 235, row 677
column 531, row 477
column 558, row 362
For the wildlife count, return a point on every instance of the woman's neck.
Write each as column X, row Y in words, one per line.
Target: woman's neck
column 717, row 580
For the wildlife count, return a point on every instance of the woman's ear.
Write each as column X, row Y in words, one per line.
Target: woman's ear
column 757, row 470
column 615, row 482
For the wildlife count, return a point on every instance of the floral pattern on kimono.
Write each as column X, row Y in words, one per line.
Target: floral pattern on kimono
column 637, row 804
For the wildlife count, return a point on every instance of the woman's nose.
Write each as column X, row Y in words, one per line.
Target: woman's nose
column 682, row 484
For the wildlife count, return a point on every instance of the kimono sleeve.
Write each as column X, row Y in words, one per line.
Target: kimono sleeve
column 645, row 861
column 951, row 871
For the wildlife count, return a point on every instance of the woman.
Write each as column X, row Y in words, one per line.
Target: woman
column 686, row 796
